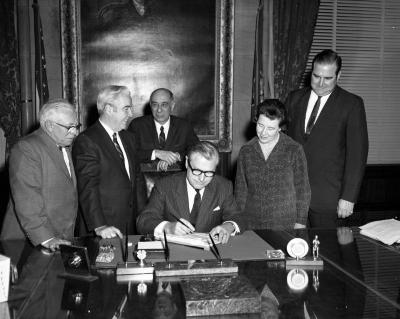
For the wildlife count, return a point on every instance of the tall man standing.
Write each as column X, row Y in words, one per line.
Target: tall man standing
column 44, row 199
column 111, row 188
column 162, row 137
column 330, row 123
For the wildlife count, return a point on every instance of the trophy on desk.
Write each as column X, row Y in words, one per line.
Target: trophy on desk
column 298, row 248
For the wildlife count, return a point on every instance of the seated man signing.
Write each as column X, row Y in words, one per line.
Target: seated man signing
column 200, row 200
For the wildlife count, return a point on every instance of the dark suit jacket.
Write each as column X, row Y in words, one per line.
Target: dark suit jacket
column 44, row 199
column 106, row 194
column 180, row 136
column 169, row 197
column 337, row 148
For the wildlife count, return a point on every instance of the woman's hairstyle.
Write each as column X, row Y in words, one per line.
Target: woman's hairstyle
column 272, row 109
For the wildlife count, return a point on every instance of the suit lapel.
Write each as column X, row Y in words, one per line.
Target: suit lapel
column 110, row 148
column 182, row 201
column 129, row 155
column 153, row 129
column 326, row 113
column 54, row 152
column 71, row 165
column 303, row 110
column 171, row 132
column 206, row 201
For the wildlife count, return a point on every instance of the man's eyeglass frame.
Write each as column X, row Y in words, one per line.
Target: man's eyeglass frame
column 198, row 172
column 70, row 127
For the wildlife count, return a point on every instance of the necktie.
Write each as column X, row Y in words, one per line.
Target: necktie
column 162, row 137
column 117, row 147
column 196, row 208
column 313, row 116
column 66, row 158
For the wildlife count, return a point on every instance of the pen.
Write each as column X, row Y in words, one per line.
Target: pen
column 120, row 308
column 179, row 221
column 166, row 248
column 215, row 248
column 121, row 241
column 126, row 244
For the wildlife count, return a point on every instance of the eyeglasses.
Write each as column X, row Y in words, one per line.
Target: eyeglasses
column 163, row 105
column 69, row 128
column 198, row 172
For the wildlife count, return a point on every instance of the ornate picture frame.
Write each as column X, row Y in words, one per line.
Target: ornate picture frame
column 184, row 45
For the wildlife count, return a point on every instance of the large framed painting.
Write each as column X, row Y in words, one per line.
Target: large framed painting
column 183, row 45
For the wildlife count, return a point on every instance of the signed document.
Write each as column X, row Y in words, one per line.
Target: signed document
column 200, row 240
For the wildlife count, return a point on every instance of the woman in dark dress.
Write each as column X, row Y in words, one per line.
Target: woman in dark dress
column 272, row 187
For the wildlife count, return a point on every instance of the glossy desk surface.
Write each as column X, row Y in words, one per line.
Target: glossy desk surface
column 360, row 279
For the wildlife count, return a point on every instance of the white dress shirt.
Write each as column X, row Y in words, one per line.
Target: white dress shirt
column 110, row 133
column 311, row 102
column 166, row 126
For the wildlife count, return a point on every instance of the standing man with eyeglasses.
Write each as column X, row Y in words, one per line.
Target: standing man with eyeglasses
column 195, row 200
column 44, row 200
column 111, row 187
column 162, row 138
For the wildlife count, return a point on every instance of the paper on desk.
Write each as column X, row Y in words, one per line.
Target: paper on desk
column 387, row 231
column 4, row 277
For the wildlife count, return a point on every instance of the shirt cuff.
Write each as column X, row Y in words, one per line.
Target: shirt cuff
column 46, row 241
column 237, row 229
column 153, row 155
column 158, row 231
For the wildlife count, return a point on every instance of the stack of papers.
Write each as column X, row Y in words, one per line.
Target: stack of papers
column 387, row 231
column 200, row 240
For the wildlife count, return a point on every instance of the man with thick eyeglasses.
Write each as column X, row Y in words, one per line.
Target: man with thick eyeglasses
column 70, row 128
column 174, row 208
column 44, row 199
column 162, row 138
column 110, row 185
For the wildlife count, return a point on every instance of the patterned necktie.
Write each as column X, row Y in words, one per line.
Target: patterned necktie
column 313, row 116
column 196, row 208
column 117, row 146
column 162, row 137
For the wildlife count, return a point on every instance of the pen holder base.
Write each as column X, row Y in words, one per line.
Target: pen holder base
column 133, row 268
column 304, row 263
column 195, row 267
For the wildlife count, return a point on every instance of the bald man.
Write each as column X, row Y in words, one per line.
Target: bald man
column 162, row 138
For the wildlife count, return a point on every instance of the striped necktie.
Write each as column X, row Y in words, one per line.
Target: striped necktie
column 117, row 146
column 313, row 116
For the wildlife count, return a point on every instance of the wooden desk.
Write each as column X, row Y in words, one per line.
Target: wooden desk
column 360, row 279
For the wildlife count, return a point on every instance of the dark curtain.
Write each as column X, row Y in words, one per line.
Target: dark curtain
column 10, row 115
column 294, row 22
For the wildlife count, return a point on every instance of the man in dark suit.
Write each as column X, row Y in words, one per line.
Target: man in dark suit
column 330, row 123
column 44, row 199
column 199, row 199
column 162, row 137
column 111, row 188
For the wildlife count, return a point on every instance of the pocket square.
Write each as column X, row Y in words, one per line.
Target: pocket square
column 216, row 209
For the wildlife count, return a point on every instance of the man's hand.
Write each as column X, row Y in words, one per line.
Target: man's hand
column 222, row 232
column 344, row 235
column 167, row 156
column 54, row 243
column 162, row 166
column 299, row 226
column 344, row 208
column 108, row 232
column 178, row 228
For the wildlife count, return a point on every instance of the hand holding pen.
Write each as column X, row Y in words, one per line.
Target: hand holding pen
column 181, row 227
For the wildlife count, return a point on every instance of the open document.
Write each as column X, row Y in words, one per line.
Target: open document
column 387, row 231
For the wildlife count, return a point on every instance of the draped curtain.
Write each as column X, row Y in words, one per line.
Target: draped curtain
column 294, row 22
column 10, row 115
